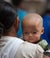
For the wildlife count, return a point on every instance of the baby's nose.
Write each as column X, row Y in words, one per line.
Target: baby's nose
column 30, row 34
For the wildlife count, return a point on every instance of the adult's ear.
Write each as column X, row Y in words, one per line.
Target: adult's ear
column 16, row 24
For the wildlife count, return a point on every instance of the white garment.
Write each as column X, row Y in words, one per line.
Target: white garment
column 10, row 48
column 16, row 48
column 29, row 50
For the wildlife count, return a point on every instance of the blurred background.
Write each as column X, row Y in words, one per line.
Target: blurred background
column 38, row 6
column 41, row 7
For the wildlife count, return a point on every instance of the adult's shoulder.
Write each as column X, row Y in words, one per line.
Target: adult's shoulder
column 29, row 47
column 28, row 50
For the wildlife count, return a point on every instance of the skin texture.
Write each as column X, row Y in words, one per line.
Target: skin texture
column 32, row 26
column 46, row 56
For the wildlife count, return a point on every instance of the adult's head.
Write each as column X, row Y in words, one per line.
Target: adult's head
column 32, row 26
column 8, row 19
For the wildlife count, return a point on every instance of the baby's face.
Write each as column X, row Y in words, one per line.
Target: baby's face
column 32, row 33
column 32, row 26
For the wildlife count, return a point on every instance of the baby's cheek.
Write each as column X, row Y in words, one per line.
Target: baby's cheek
column 37, row 38
column 25, row 37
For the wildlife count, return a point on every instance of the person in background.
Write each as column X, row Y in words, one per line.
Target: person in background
column 32, row 27
column 20, row 12
column 10, row 45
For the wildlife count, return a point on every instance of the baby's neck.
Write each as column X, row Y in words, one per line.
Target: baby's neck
column 37, row 41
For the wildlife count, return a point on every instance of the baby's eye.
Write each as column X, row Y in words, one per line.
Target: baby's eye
column 34, row 32
column 25, row 32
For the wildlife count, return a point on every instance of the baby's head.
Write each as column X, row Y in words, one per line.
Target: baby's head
column 32, row 27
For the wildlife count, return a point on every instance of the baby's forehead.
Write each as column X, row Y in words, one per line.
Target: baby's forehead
column 32, row 15
column 32, row 19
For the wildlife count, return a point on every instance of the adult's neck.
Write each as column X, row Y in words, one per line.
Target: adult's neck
column 12, row 33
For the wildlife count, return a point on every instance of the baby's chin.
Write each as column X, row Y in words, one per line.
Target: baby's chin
column 35, row 41
column 31, row 41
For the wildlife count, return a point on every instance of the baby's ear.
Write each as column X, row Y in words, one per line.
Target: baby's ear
column 42, row 31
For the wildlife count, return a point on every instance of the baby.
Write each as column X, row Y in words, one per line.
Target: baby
column 32, row 27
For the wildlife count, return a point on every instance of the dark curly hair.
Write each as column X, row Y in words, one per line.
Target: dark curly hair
column 7, row 16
